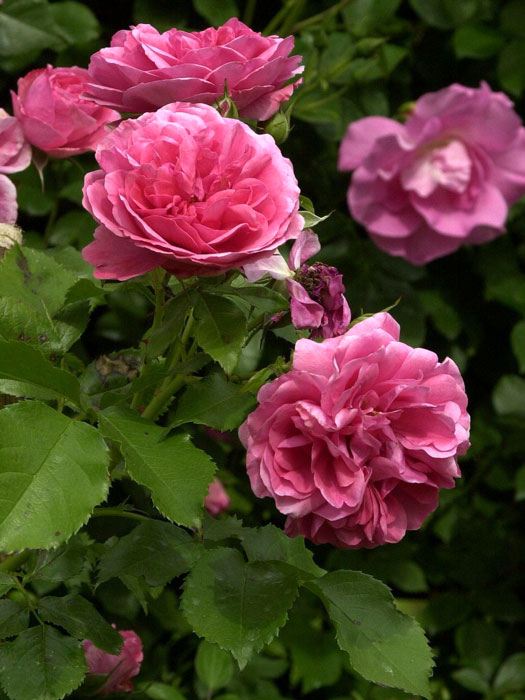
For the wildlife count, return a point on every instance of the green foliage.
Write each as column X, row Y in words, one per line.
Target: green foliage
column 14, row 618
column 383, row 645
column 172, row 468
column 53, row 665
column 220, row 329
column 214, row 666
column 53, row 472
column 236, row 604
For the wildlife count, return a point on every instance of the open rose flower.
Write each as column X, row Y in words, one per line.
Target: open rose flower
column 317, row 292
column 15, row 152
column 443, row 179
column 54, row 114
column 143, row 69
column 190, row 191
column 354, row 443
column 217, row 500
column 120, row 668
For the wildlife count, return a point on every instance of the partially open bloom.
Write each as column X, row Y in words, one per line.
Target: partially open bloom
column 55, row 115
column 354, row 443
column 190, row 191
column 143, row 69
column 119, row 668
column 15, row 152
column 443, row 179
column 217, row 500
column 317, row 292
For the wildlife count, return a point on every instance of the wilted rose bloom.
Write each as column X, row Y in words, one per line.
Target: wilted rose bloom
column 56, row 116
column 443, row 179
column 317, row 292
column 190, row 191
column 119, row 668
column 15, row 152
column 354, row 443
column 143, row 69
column 217, row 500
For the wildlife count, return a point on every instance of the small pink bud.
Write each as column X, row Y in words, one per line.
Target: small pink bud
column 217, row 500
column 119, row 668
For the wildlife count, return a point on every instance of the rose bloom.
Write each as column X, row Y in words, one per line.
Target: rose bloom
column 15, row 152
column 190, row 191
column 55, row 115
column 143, row 69
column 217, row 500
column 443, row 179
column 119, row 668
column 354, row 443
column 8, row 205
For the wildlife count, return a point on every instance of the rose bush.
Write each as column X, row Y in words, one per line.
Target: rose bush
column 443, row 179
column 190, row 191
column 143, row 69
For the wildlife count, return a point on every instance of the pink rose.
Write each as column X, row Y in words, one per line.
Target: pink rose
column 443, row 179
column 217, row 500
column 8, row 205
column 143, row 70
column 190, row 191
column 54, row 114
column 119, row 669
column 354, row 443
column 15, row 152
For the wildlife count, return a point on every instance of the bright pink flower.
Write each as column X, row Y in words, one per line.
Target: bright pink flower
column 354, row 443
column 15, row 152
column 217, row 500
column 190, row 191
column 143, row 70
column 55, row 115
column 443, row 179
column 8, row 205
column 119, row 668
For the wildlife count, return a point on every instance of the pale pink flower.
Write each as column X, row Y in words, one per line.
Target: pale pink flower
column 15, row 152
column 217, row 500
column 444, row 179
column 54, row 114
column 8, row 204
column 143, row 69
column 355, row 442
column 190, row 191
column 119, row 668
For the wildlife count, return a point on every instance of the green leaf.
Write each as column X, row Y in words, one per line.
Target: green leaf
column 264, row 299
column 510, row 677
column 81, row 620
column 445, row 14
column 269, row 543
column 158, row 339
column 213, row 665
column 471, row 679
column 238, row 605
column 215, row 402
column 220, row 329
column 41, row 663
column 7, row 581
column 26, row 26
column 517, row 339
column 175, row 471
column 216, row 12
column 477, row 41
column 520, row 484
column 383, row 645
column 508, row 397
column 14, row 618
column 75, row 22
column 24, row 371
column 69, row 561
column 511, row 67
column 364, row 17
column 53, row 472
column 163, row 691
column 311, row 219
column 155, row 551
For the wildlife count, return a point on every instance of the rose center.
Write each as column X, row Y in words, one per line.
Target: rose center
column 448, row 166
